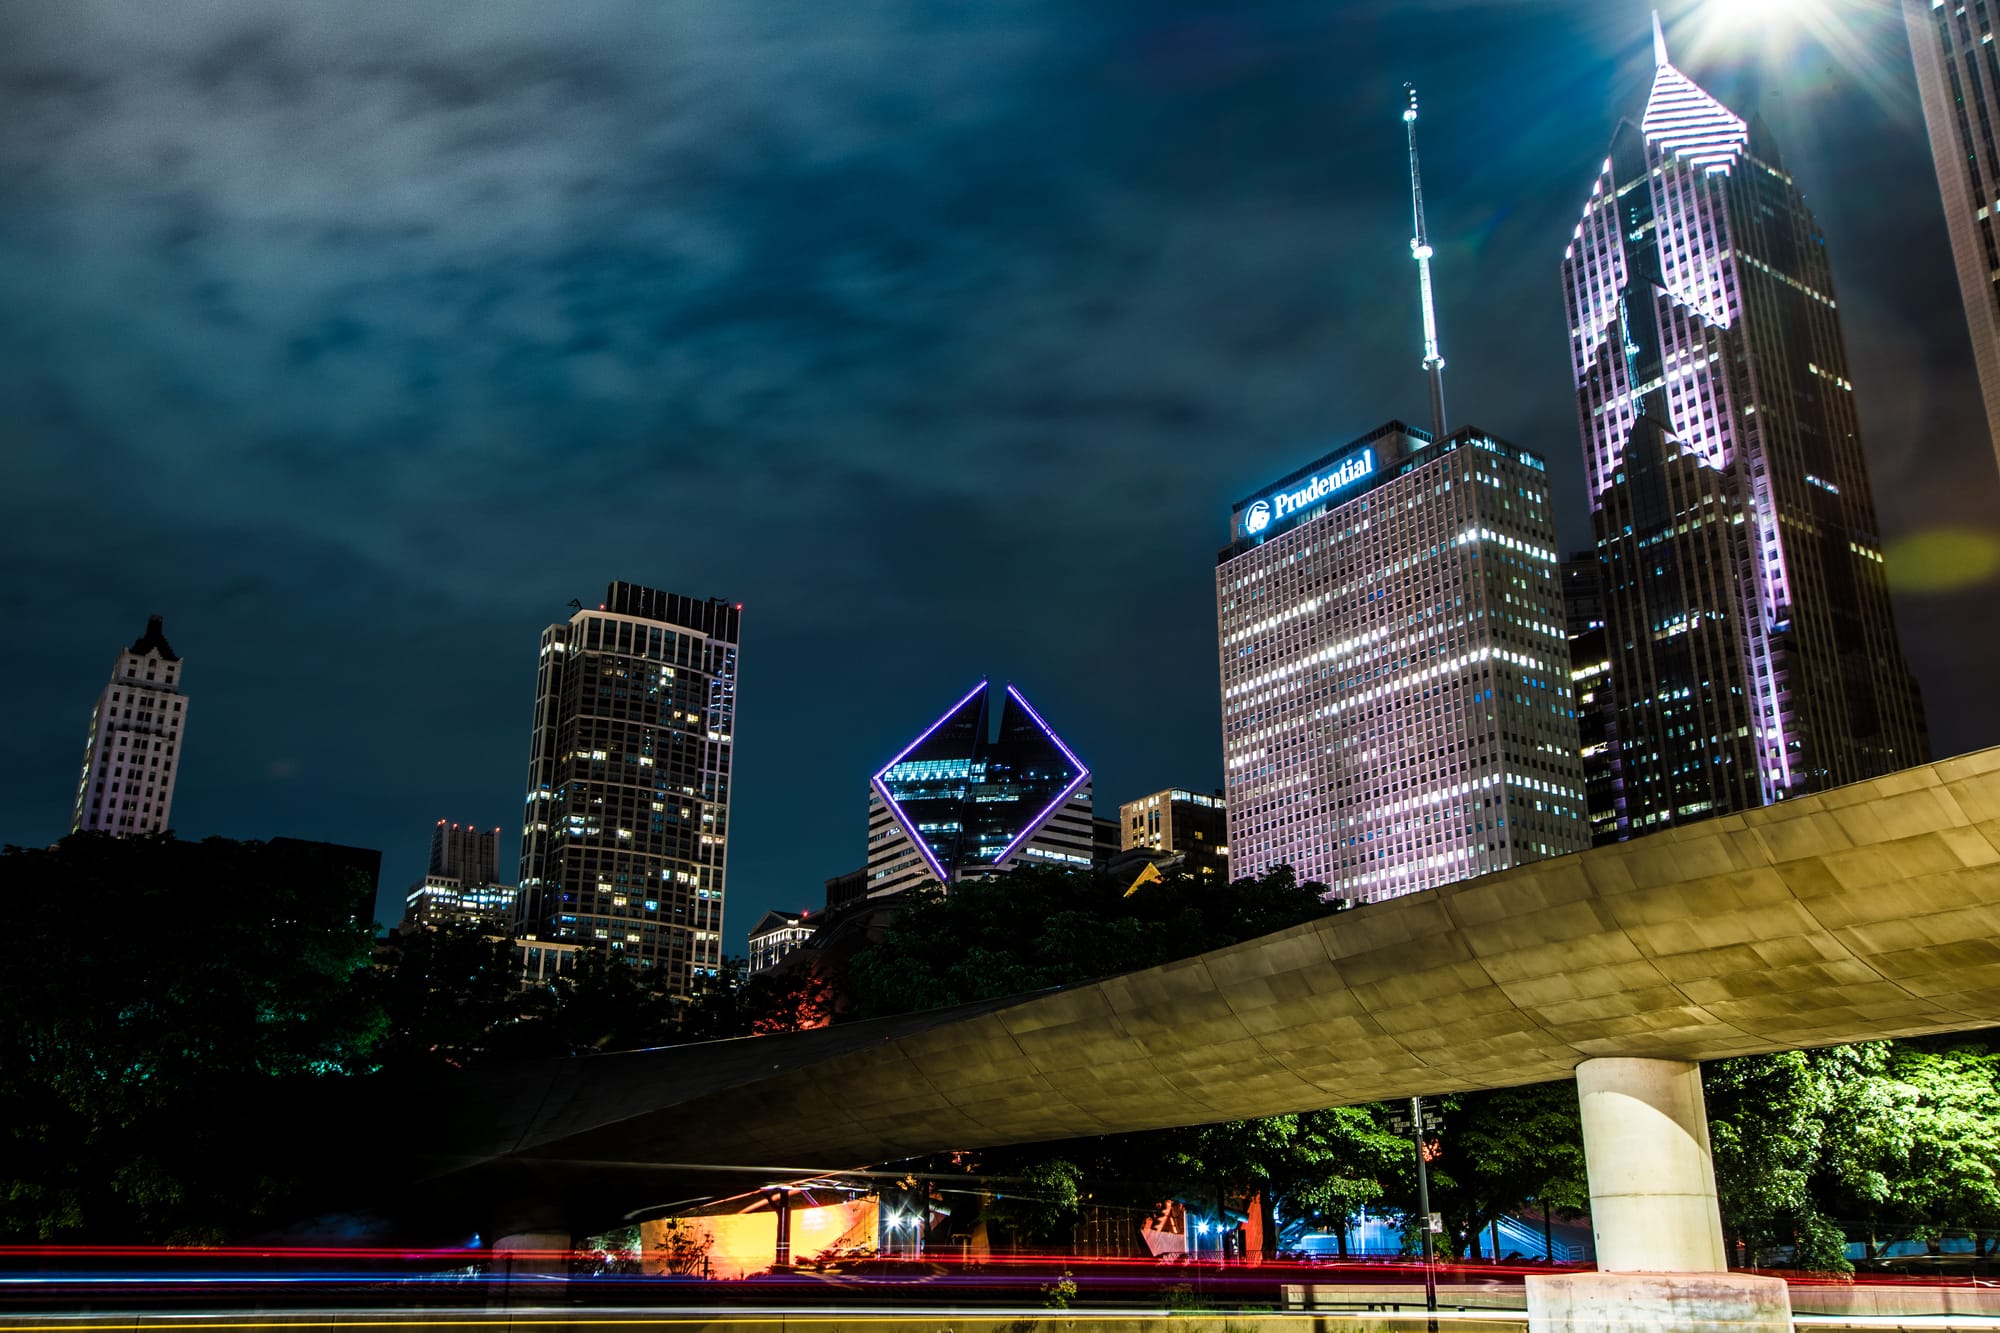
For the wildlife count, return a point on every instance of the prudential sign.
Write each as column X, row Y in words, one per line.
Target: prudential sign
column 1288, row 504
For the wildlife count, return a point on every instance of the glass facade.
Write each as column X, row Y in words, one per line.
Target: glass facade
column 625, row 835
column 1751, row 650
column 980, row 788
column 1958, row 77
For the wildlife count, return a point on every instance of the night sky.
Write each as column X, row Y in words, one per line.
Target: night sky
column 358, row 339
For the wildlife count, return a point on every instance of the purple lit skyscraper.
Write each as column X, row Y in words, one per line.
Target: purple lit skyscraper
column 1753, row 652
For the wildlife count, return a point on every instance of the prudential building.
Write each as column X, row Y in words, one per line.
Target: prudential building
column 1395, row 677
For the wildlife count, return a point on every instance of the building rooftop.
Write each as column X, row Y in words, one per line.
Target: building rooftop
column 154, row 640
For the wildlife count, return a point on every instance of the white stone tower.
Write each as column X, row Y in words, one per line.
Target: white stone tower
column 134, row 751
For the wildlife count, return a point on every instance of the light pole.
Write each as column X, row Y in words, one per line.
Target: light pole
column 1418, row 1121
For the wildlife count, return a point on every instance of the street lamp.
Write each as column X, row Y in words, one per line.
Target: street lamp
column 1417, row 1123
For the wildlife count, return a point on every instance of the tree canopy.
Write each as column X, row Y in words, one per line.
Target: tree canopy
column 1038, row 927
column 156, row 988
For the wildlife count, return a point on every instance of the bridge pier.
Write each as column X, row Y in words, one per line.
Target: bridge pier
column 1660, row 1257
column 529, row 1268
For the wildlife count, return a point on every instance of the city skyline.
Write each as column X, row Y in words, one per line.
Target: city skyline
column 1189, row 308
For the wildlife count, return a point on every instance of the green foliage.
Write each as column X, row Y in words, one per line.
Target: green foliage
column 1498, row 1149
column 1058, row 1295
column 1043, row 1203
column 1038, row 927
column 604, row 1003
column 1896, row 1139
column 452, row 996
column 158, row 995
column 613, row 1253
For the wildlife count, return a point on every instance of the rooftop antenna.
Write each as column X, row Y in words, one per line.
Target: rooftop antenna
column 1420, row 250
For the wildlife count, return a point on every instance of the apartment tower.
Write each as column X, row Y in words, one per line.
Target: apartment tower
column 626, row 830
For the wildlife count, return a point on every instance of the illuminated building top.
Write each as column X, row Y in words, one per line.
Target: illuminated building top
column 1753, row 652
column 976, row 790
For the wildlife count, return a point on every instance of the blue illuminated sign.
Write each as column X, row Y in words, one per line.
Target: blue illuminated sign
column 1290, row 503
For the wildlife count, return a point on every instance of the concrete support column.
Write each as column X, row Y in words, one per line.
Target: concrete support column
column 781, row 1203
column 528, row 1268
column 1654, row 1216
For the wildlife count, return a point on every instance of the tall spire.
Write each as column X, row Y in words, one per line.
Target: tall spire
column 1684, row 119
column 1420, row 250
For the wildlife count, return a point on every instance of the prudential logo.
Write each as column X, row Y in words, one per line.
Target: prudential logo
column 1258, row 518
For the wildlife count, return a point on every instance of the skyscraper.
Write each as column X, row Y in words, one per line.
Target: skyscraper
column 132, row 756
column 625, row 837
column 1753, row 653
column 462, row 883
column 1180, row 823
column 1396, row 708
column 1958, row 77
column 1590, row 682
column 979, row 792
column 465, row 852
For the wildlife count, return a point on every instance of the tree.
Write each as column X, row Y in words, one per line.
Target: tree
column 1790, row 1134
column 603, row 1003
column 1351, row 1151
column 159, row 996
column 1919, row 1151
column 681, row 1248
column 1498, row 1149
column 793, row 999
column 1317, row 1167
column 1043, row 1205
column 452, row 997
column 1037, row 927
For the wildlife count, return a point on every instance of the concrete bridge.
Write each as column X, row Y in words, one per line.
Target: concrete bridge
column 1869, row 911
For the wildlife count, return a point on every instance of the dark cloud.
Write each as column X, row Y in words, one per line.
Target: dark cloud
column 359, row 340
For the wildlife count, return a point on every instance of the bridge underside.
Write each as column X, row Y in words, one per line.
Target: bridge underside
column 1865, row 912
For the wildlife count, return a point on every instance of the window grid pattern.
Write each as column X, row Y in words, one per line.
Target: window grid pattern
column 1395, row 679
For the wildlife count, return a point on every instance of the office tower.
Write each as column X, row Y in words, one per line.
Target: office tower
column 850, row 886
column 463, row 881
column 1753, row 653
column 1590, row 682
column 1396, row 708
column 466, row 853
column 1104, row 844
column 1180, row 823
column 778, row 934
column 981, row 791
column 1958, row 78
column 625, row 838
column 131, row 758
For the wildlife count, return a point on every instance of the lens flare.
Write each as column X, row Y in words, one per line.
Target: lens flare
column 1943, row 559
